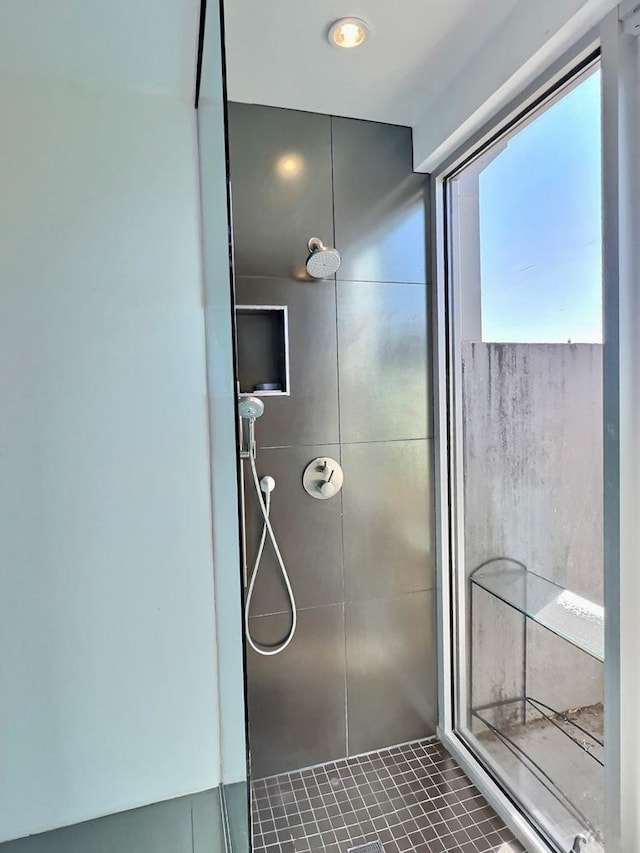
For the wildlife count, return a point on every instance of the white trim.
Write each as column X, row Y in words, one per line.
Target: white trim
column 441, row 408
column 621, row 372
column 449, row 508
column 508, row 113
column 492, row 792
column 629, row 14
column 458, row 571
column 284, row 309
column 432, row 149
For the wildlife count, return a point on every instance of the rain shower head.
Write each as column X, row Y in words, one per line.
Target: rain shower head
column 322, row 261
column 250, row 408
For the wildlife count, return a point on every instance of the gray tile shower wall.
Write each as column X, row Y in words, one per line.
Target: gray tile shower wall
column 360, row 673
column 310, row 414
column 379, row 203
column 281, row 187
column 310, row 531
column 297, row 699
column 387, row 504
column 383, row 361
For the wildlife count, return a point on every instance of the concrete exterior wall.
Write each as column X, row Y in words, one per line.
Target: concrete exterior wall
column 533, row 492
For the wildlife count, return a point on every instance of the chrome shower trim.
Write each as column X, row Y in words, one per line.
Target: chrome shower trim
column 323, row 261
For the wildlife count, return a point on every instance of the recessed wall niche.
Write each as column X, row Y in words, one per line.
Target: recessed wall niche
column 262, row 335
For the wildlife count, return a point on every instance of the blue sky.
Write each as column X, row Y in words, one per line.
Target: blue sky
column 540, row 227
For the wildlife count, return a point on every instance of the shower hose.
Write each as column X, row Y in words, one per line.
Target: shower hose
column 267, row 530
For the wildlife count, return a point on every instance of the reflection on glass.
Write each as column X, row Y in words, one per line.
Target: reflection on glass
column 289, row 166
column 567, row 614
column 527, row 280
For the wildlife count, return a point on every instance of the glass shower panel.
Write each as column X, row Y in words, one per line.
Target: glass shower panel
column 526, row 322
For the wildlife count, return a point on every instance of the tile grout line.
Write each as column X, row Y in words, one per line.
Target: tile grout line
column 407, row 797
column 341, row 444
column 344, row 580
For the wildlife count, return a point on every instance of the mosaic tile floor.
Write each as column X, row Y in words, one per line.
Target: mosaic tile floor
column 409, row 797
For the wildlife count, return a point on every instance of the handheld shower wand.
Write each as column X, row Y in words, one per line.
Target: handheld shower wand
column 251, row 408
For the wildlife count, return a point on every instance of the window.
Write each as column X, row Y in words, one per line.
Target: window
column 524, row 219
column 530, row 228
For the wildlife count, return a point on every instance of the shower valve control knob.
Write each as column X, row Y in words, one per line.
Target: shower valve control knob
column 327, row 489
column 322, row 478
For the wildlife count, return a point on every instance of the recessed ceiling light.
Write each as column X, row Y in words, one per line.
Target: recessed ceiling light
column 348, row 32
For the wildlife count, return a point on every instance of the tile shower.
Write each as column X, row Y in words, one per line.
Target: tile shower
column 411, row 797
column 361, row 671
column 360, row 675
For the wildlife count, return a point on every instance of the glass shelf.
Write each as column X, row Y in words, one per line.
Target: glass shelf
column 534, row 758
column 575, row 619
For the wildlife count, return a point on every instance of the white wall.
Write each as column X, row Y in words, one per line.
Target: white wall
column 107, row 664
column 523, row 46
column 222, row 413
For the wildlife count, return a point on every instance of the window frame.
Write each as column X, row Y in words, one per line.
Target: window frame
column 563, row 75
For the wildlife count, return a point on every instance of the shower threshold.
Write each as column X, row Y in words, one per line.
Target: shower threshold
column 408, row 797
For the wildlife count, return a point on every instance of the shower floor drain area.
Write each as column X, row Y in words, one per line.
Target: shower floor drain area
column 411, row 798
column 369, row 847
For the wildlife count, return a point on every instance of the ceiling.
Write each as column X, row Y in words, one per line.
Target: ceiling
column 434, row 65
column 277, row 50
column 147, row 45
column 278, row 53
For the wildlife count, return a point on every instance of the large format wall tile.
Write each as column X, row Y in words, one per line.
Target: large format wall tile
column 281, row 187
column 391, row 671
column 359, row 363
column 296, row 699
column 379, row 203
column 310, row 414
column 382, row 364
column 309, row 533
column 388, row 537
